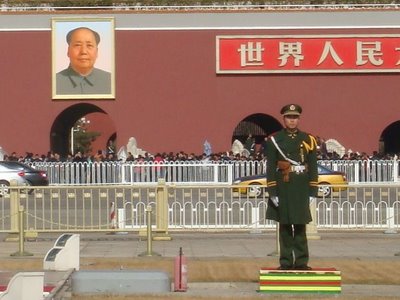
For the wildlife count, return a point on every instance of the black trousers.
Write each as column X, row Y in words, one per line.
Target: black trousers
column 293, row 245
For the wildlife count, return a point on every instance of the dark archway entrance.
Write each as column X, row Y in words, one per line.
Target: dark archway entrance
column 390, row 139
column 60, row 131
column 258, row 125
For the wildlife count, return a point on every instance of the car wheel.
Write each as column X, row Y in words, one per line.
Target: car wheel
column 4, row 187
column 255, row 190
column 324, row 189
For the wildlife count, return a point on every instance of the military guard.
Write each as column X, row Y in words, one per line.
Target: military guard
column 292, row 178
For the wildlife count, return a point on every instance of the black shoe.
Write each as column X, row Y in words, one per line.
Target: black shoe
column 285, row 268
column 303, row 268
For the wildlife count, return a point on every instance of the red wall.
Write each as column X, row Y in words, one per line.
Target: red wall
column 102, row 123
column 169, row 97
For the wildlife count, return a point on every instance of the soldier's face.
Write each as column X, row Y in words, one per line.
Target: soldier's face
column 291, row 122
column 82, row 51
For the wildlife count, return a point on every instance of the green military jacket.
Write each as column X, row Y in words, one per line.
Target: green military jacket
column 295, row 193
column 68, row 82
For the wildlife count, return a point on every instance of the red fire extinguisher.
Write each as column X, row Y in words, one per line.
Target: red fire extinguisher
column 180, row 272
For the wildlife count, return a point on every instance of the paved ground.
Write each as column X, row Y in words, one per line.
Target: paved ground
column 242, row 245
column 368, row 244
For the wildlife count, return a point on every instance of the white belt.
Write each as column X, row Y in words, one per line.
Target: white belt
column 298, row 169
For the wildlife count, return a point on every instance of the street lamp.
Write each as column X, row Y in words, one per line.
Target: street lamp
column 78, row 126
column 72, row 140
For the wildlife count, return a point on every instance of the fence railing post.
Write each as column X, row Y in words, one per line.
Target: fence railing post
column 21, row 234
column 277, row 250
column 14, row 206
column 230, row 173
column 311, row 228
column 149, row 251
column 356, row 172
column 162, row 211
column 390, row 215
column 215, row 170
column 395, row 170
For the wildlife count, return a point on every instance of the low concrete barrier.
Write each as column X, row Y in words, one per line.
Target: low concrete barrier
column 121, row 282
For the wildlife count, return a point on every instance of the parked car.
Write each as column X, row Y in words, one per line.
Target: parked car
column 22, row 174
column 327, row 179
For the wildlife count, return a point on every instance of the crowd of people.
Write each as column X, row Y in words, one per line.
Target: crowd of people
column 247, row 155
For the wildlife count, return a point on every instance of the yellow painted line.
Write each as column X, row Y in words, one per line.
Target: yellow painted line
column 295, row 272
column 299, row 288
column 302, row 278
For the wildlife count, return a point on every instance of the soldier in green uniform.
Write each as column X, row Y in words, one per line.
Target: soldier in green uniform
column 292, row 178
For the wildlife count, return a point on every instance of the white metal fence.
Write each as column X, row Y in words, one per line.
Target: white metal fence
column 365, row 171
column 215, row 7
column 200, row 172
column 90, row 208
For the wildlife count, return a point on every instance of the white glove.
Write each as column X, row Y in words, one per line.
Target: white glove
column 313, row 199
column 275, row 200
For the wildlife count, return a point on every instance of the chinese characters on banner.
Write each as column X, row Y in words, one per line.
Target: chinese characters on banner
column 308, row 54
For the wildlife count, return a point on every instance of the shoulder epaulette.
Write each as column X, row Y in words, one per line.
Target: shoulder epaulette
column 273, row 134
column 312, row 145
